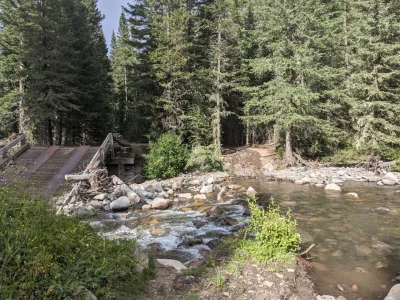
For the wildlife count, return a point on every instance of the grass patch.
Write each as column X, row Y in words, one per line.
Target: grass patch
column 219, row 278
column 44, row 256
column 192, row 296
column 196, row 272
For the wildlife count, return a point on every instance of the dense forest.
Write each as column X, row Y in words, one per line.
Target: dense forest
column 313, row 76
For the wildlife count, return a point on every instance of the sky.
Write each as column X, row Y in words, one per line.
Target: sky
column 112, row 10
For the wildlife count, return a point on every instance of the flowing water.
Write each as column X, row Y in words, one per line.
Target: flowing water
column 357, row 241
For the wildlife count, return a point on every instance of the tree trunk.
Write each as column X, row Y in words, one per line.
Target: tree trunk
column 289, row 161
column 346, row 42
column 218, row 95
column 50, row 133
column 126, row 92
column 60, row 130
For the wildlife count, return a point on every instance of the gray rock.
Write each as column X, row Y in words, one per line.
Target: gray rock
column 158, row 187
column 84, row 294
column 200, row 197
column 210, row 180
column 176, row 186
column 164, row 194
column 332, row 187
column 142, row 193
column 160, row 203
column 185, row 196
column 352, row 195
column 101, row 197
column 306, row 180
column 96, row 204
column 299, row 182
column 206, row 189
column 394, row 293
column 391, row 177
column 121, row 203
column 388, row 182
column 251, row 192
column 177, row 265
column 170, row 192
column 146, row 207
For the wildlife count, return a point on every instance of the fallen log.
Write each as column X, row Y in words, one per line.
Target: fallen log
column 126, row 189
column 82, row 177
column 307, row 250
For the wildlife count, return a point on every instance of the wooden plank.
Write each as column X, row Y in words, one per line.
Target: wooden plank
column 124, row 161
column 4, row 161
column 58, row 180
column 39, row 161
column 12, row 144
column 21, row 150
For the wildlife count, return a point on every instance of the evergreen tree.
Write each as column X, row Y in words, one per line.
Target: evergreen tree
column 375, row 82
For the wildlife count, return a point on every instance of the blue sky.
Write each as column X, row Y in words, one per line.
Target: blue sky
column 112, row 10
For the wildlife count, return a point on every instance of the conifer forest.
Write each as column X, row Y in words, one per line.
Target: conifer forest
column 312, row 76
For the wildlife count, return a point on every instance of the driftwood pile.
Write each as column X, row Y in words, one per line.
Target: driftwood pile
column 96, row 182
column 375, row 164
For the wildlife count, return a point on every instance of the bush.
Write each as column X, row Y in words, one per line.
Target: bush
column 347, row 156
column 203, row 158
column 167, row 157
column 276, row 237
column 44, row 256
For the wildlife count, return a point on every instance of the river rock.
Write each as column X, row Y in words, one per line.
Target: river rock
column 391, row 177
column 332, row 187
column 306, row 180
column 231, row 221
column 186, row 196
column 235, row 186
column 177, row 265
column 176, row 186
column 251, row 192
column 101, row 197
column 170, row 192
column 206, row 189
column 394, row 293
column 388, row 182
column 299, row 182
column 158, row 187
column 160, row 203
column 178, row 180
column 84, row 294
column 96, row 204
column 121, row 203
column 351, row 195
column 210, row 180
column 164, row 194
column 320, row 185
column 380, row 183
column 142, row 193
column 200, row 197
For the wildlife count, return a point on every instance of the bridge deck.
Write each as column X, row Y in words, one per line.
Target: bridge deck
column 41, row 170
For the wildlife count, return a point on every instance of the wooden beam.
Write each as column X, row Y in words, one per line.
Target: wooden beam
column 73, row 177
column 124, row 161
column 4, row 150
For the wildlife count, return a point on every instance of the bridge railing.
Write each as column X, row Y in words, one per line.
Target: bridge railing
column 5, row 155
column 98, row 160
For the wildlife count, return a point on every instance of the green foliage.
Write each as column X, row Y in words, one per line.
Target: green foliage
column 197, row 272
column 203, row 158
column 349, row 155
column 167, row 157
column 219, row 279
column 44, row 256
column 275, row 234
column 192, row 296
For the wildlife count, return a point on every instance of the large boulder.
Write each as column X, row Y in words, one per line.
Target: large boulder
column 333, row 187
column 121, row 203
column 391, row 177
column 160, row 203
column 177, row 265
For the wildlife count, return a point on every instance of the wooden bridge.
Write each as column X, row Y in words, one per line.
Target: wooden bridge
column 42, row 169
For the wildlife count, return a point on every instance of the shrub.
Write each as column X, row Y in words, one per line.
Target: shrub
column 44, row 256
column 167, row 157
column 276, row 237
column 203, row 158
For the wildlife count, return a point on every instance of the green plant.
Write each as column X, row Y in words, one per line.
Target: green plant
column 195, row 271
column 349, row 155
column 44, row 256
column 219, row 279
column 167, row 157
column 192, row 296
column 203, row 158
column 233, row 268
column 275, row 234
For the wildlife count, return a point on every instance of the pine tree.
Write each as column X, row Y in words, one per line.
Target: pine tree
column 294, row 81
column 375, row 82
